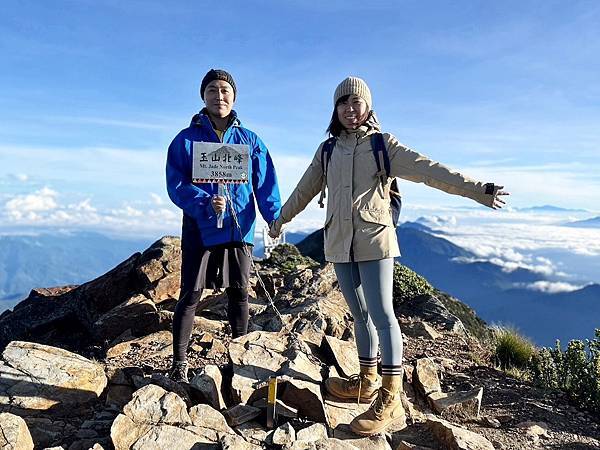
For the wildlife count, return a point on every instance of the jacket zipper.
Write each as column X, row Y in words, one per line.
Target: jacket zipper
column 352, row 203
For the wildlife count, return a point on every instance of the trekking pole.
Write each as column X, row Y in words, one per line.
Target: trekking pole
column 272, row 403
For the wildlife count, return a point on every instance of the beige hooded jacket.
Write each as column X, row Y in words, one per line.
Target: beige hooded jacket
column 358, row 223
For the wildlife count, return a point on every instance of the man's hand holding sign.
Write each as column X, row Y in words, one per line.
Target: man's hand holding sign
column 219, row 203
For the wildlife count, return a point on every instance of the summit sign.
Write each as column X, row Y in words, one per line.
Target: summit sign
column 216, row 162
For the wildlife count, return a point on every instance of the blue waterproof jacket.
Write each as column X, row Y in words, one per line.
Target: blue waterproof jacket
column 195, row 199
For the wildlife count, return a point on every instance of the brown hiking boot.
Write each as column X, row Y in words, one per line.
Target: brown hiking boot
column 358, row 387
column 385, row 410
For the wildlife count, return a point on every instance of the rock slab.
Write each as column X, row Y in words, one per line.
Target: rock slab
column 157, row 419
column 464, row 404
column 425, row 377
column 39, row 377
column 345, row 355
column 14, row 434
column 453, row 437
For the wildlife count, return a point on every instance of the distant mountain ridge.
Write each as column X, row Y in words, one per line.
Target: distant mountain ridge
column 549, row 208
column 594, row 222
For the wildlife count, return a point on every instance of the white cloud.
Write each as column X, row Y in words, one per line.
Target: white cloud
column 132, row 212
column 42, row 209
column 547, row 270
column 438, row 221
column 85, row 205
column 508, row 240
column 550, row 287
column 164, row 213
column 543, row 260
column 26, row 205
column 157, row 199
column 512, row 261
column 62, row 217
column 30, row 216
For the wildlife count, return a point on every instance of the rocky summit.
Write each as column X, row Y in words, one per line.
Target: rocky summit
column 84, row 367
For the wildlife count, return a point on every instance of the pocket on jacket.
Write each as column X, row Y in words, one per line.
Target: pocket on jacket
column 378, row 216
column 328, row 220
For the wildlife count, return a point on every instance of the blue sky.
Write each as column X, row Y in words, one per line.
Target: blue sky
column 92, row 92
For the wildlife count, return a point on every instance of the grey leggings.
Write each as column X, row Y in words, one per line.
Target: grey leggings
column 367, row 287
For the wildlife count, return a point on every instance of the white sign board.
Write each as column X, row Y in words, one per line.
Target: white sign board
column 216, row 162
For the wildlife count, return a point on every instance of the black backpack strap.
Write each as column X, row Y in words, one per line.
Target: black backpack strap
column 381, row 157
column 326, row 150
column 395, row 202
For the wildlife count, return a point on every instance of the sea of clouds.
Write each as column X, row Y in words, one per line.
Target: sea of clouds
column 533, row 239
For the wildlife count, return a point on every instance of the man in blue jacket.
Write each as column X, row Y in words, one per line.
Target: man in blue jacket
column 214, row 257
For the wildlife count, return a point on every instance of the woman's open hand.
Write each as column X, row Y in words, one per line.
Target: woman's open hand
column 498, row 203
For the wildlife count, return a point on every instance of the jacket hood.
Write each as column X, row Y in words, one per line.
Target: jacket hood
column 199, row 118
column 372, row 122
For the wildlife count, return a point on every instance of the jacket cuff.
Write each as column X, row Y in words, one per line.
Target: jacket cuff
column 489, row 188
column 486, row 197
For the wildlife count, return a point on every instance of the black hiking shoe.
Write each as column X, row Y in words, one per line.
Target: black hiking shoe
column 179, row 372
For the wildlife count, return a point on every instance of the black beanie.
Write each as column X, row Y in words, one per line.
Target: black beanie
column 217, row 74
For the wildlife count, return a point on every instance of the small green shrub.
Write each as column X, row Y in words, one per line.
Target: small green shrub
column 512, row 350
column 288, row 259
column 409, row 284
column 544, row 369
column 575, row 370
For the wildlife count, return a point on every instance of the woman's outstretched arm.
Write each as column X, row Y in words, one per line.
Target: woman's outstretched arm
column 413, row 166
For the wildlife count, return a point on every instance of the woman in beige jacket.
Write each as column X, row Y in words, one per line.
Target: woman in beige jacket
column 360, row 239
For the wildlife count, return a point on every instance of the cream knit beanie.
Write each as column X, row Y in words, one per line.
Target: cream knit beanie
column 353, row 85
